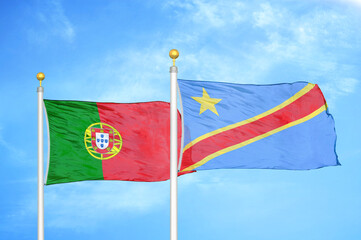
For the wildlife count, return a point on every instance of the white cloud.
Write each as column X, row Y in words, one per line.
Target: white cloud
column 53, row 22
column 14, row 151
column 133, row 75
column 83, row 205
column 267, row 16
column 335, row 88
column 356, row 3
column 348, row 85
column 313, row 43
column 210, row 13
column 211, row 187
column 305, row 41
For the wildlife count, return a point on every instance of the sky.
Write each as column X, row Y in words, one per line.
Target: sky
column 117, row 51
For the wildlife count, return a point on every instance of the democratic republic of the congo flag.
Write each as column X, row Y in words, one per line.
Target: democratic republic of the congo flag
column 279, row 126
column 108, row 141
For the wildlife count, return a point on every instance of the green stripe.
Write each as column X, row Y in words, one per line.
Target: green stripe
column 69, row 160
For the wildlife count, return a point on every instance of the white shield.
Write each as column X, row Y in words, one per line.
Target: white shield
column 102, row 140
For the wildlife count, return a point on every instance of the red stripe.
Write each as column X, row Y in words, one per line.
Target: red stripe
column 300, row 108
column 144, row 128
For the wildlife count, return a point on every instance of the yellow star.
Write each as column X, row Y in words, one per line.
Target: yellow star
column 207, row 102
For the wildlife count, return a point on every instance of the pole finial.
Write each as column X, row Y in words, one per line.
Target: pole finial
column 40, row 76
column 173, row 54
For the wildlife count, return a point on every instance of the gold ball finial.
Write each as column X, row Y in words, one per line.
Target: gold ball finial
column 40, row 76
column 173, row 54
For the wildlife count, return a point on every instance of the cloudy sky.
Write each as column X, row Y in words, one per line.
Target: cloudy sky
column 118, row 51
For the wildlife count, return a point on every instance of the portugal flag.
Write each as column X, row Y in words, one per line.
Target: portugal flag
column 108, row 141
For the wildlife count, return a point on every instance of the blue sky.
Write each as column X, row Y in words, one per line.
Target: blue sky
column 118, row 51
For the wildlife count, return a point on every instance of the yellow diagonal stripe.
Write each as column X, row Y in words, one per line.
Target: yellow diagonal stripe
column 299, row 94
column 242, row 144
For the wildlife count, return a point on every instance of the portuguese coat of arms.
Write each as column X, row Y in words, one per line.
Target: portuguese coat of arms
column 102, row 141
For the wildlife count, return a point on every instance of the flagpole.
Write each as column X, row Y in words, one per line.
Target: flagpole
column 40, row 76
column 173, row 148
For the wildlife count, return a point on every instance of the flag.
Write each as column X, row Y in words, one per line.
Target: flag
column 108, row 141
column 279, row 126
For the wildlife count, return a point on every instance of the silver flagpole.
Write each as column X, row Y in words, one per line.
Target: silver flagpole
column 40, row 76
column 173, row 148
